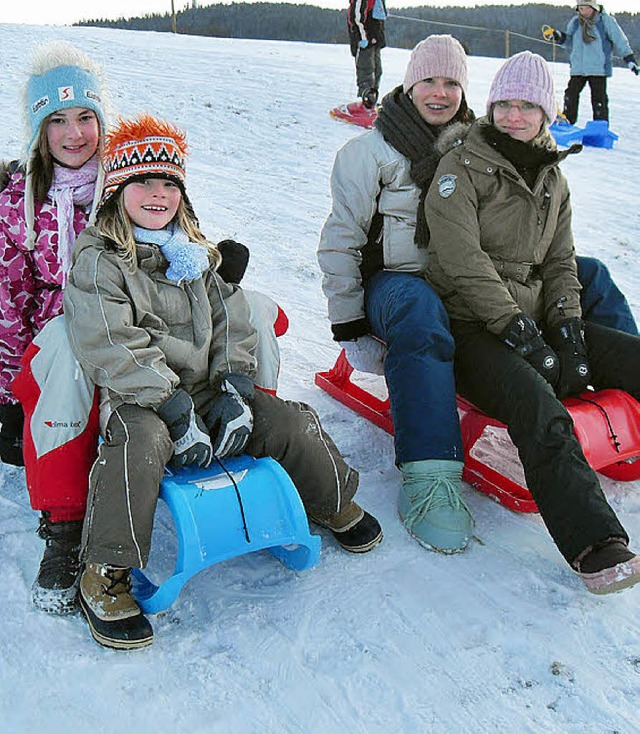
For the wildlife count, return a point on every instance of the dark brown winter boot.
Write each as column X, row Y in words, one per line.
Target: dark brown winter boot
column 56, row 587
column 609, row 567
column 114, row 617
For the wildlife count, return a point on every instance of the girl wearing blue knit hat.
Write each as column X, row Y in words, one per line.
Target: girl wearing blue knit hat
column 50, row 197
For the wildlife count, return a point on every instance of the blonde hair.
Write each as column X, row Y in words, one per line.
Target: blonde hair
column 116, row 225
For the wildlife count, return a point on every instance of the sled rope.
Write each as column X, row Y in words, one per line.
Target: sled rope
column 468, row 27
column 614, row 437
column 237, row 491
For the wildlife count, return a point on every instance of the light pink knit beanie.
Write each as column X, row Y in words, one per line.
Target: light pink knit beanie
column 437, row 56
column 525, row 76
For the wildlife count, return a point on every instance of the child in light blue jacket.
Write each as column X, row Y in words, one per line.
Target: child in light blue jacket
column 592, row 36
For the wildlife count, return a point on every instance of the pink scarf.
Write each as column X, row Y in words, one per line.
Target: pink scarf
column 71, row 186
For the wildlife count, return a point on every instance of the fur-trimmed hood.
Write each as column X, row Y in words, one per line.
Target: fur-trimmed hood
column 457, row 133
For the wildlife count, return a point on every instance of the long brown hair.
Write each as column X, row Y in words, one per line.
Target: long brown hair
column 41, row 168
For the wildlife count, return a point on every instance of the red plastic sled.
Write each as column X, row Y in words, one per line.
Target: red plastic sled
column 355, row 113
column 606, row 423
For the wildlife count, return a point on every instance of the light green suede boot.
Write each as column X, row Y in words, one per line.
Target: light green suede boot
column 431, row 506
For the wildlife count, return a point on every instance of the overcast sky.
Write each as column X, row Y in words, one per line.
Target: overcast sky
column 61, row 12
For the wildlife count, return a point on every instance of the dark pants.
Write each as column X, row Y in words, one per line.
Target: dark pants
column 599, row 99
column 601, row 300
column 368, row 68
column 505, row 386
column 125, row 480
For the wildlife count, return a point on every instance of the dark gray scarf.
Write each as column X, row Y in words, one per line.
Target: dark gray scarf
column 402, row 127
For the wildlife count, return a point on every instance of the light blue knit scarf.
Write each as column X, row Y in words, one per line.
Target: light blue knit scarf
column 187, row 260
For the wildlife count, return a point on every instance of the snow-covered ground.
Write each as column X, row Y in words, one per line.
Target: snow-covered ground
column 502, row 638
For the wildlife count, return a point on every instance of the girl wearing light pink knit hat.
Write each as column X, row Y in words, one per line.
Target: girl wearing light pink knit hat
column 501, row 256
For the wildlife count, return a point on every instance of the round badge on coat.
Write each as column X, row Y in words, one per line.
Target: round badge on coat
column 447, row 185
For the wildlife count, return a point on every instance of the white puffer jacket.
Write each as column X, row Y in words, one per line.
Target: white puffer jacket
column 366, row 168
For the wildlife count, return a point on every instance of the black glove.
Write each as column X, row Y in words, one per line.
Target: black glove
column 630, row 61
column 551, row 34
column 235, row 258
column 12, row 420
column 568, row 339
column 230, row 420
column 191, row 442
column 524, row 337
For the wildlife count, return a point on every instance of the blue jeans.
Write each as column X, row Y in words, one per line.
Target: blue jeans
column 602, row 301
column 408, row 315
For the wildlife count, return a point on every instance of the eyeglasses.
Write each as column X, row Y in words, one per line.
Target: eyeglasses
column 525, row 108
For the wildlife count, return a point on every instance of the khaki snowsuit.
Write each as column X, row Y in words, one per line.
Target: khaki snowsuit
column 139, row 336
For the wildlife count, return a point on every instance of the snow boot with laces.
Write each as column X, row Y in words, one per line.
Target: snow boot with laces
column 56, row 587
column 114, row 617
column 431, row 505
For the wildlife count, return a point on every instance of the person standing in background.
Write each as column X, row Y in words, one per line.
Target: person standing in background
column 591, row 37
column 366, row 34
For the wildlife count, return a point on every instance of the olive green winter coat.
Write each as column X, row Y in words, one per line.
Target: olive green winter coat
column 498, row 248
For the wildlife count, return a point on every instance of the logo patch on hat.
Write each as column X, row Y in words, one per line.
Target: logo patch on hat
column 447, row 185
column 66, row 94
column 39, row 104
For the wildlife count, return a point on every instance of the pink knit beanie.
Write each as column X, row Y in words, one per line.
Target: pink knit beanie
column 437, row 56
column 525, row 76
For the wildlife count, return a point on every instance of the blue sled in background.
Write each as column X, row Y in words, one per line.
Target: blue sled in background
column 595, row 134
column 220, row 513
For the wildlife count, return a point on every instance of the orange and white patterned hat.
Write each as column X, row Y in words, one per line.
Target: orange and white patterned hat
column 143, row 147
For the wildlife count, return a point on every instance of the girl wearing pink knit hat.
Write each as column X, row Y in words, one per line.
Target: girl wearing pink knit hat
column 501, row 255
column 373, row 257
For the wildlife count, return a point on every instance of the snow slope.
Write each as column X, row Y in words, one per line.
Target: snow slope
column 501, row 638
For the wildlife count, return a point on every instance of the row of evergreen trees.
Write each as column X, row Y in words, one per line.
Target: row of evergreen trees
column 281, row 21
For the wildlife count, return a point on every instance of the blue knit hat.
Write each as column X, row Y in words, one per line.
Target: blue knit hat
column 61, row 76
column 58, row 89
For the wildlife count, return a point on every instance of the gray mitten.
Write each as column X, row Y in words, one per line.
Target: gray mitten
column 191, row 442
column 230, row 420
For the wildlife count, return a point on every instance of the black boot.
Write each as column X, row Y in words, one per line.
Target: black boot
column 56, row 587
column 369, row 98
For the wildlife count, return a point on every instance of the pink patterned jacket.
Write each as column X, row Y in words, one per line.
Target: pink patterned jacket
column 31, row 281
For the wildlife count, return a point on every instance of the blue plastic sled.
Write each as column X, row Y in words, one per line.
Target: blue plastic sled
column 596, row 134
column 218, row 515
